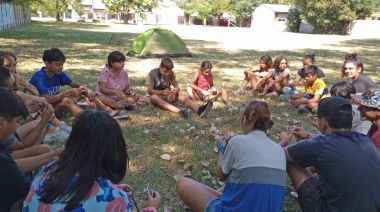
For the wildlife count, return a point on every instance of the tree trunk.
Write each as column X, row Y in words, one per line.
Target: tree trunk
column 186, row 21
column 57, row 9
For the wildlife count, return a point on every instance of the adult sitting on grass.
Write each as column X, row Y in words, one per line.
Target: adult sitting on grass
column 86, row 176
column 347, row 164
column 252, row 164
column 14, row 184
column 159, row 84
column 370, row 110
column 49, row 80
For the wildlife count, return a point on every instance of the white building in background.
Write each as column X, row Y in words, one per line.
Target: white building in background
column 270, row 17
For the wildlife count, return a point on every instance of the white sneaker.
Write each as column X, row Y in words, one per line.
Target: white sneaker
column 59, row 135
column 63, row 126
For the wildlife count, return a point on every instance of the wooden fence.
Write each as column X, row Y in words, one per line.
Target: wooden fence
column 13, row 15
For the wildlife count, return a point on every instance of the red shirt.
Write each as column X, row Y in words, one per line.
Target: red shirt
column 203, row 81
column 374, row 134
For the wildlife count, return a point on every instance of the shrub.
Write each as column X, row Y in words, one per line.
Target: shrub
column 294, row 19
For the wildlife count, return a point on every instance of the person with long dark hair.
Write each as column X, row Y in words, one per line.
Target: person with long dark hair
column 87, row 175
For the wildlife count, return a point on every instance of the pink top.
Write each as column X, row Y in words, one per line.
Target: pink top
column 112, row 81
column 203, row 82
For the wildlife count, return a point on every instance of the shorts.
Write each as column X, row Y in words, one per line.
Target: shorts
column 292, row 91
column 213, row 204
column 310, row 195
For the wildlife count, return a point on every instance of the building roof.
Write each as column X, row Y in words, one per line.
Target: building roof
column 97, row 4
column 279, row 8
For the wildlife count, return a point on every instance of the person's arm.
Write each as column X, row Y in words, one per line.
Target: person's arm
column 106, row 91
column 29, row 164
column 261, row 74
column 152, row 91
column 281, row 78
column 219, row 171
column 24, row 84
column 74, row 92
column 74, row 85
column 173, row 79
column 296, row 81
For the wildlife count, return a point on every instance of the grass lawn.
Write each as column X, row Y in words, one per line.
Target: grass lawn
column 152, row 132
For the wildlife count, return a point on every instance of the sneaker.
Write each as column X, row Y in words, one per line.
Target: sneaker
column 232, row 107
column 63, row 126
column 59, row 135
column 314, row 110
column 185, row 113
column 129, row 107
column 205, row 109
column 302, row 110
column 120, row 115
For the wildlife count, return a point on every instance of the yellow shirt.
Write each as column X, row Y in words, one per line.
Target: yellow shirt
column 318, row 88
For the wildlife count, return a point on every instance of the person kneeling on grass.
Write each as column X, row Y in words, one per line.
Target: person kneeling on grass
column 315, row 88
column 347, row 163
column 253, row 165
column 202, row 83
column 159, row 84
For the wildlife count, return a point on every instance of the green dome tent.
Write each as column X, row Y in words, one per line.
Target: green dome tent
column 158, row 42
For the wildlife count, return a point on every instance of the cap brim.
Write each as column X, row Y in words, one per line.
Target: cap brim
column 358, row 98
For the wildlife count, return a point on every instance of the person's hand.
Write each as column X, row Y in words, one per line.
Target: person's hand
column 270, row 85
column 300, row 133
column 47, row 111
column 119, row 94
column 294, row 102
column 127, row 188
column 154, row 199
column 75, row 92
column 204, row 92
column 165, row 92
column 291, row 85
column 316, row 123
column 21, row 81
column 287, row 96
column 245, row 72
column 285, row 136
column 35, row 104
column 175, row 90
column 56, row 153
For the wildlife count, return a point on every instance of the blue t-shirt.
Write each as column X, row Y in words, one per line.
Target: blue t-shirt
column 348, row 168
column 49, row 86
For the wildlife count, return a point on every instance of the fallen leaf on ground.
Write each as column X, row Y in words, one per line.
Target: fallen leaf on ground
column 168, row 208
column 187, row 166
column 154, row 135
column 182, row 131
column 187, row 135
column 166, row 157
column 205, row 162
column 146, row 131
column 282, row 104
column 202, row 132
column 187, row 124
column 278, row 118
column 286, row 114
column 295, row 121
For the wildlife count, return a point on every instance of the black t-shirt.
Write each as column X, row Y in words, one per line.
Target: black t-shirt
column 14, row 184
column 363, row 83
column 301, row 73
column 348, row 167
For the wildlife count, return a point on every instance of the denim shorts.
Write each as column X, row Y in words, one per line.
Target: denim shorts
column 213, row 204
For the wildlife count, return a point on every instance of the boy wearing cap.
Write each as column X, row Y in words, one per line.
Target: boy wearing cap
column 370, row 110
column 315, row 88
column 347, row 164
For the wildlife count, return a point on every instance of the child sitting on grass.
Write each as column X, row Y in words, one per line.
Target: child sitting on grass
column 113, row 87
column 315, row 88
column 49, row 80
column 200, row 84
column 159, row 84
column 278, row 77
column 308, row 59
column 253, row 76
column 253, row 165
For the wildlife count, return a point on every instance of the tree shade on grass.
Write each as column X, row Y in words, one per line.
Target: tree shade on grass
column 158, row 42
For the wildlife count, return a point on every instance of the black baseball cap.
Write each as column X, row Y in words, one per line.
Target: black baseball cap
column 334, row 106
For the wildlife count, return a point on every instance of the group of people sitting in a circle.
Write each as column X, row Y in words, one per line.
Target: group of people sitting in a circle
column 87, row 174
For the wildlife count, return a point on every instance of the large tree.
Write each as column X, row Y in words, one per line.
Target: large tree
column 243, row 9
column 334, row 16
column 54, row 8
column 126, row 5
